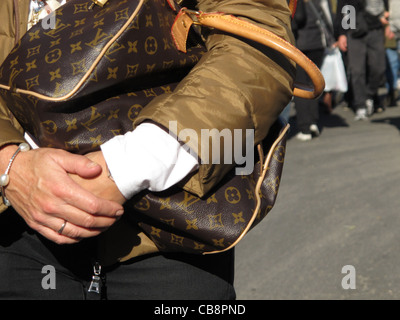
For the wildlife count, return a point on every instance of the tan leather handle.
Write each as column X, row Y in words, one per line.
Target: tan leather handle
column 234, row 25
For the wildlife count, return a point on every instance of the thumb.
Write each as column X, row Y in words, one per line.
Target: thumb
column 78, row 164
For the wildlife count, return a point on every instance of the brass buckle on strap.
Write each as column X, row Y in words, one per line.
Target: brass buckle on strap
column 193, row 14
column 100, row 3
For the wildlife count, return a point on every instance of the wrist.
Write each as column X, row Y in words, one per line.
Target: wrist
column 5, row 177
column 6, row 152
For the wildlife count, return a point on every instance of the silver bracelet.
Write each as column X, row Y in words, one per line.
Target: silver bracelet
column 5, row 178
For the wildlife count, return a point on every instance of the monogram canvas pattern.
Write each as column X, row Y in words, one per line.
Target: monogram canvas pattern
column 61, row 73
column 78, row 85
column 216, row 222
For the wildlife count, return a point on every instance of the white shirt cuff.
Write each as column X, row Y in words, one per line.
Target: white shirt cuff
column 147, row 158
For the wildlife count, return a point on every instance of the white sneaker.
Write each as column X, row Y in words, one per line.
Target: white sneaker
column 314, row 130
column 369, row 103
column 304, row 136
column 361, row 114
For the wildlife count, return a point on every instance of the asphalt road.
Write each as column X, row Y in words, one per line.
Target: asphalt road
column 338, row 205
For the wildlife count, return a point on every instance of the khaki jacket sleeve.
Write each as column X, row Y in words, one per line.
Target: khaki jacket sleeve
column 14, row 22
column 11, row 131
column 234, row 86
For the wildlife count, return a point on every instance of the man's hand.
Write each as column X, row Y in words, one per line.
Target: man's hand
column 102, row 185
column 385, row 18
column 342, row 43
column 42, row 191
column 389, row 33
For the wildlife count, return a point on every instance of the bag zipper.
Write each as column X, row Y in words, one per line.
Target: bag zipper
column 98, row 283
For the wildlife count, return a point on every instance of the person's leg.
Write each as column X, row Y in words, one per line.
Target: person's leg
column 32, row 267
column 307, row 111
column 28, row 268
column 173, row 276
column 392, row 67
column 357, row 55
column 376, row 64
column 317, row 56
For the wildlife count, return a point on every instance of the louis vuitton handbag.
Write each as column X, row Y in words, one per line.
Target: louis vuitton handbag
column 64, row 84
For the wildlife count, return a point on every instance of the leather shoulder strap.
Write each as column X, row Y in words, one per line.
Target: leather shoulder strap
column 230, row 24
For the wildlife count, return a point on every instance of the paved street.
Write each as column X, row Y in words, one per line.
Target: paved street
column 338, row 205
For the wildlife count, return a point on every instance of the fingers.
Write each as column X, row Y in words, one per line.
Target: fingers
column 85, row 201
column 76, row 216
column 78, row 164
column 69, row 227
column 69, row 234
column 45, row 195
column 77, row 196
column 48, row 217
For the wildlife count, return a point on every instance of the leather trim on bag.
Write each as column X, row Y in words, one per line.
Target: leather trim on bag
column 260, row 180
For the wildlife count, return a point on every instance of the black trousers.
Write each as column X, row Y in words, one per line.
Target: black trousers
column 32, row 267
column 307, row 111
column 367, row 66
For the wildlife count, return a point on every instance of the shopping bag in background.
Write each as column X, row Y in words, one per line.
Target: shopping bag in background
column 333, row 71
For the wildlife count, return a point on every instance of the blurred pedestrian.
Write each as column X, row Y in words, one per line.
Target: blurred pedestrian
column 392, row 44
column 312, row 40
column 365, row 46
